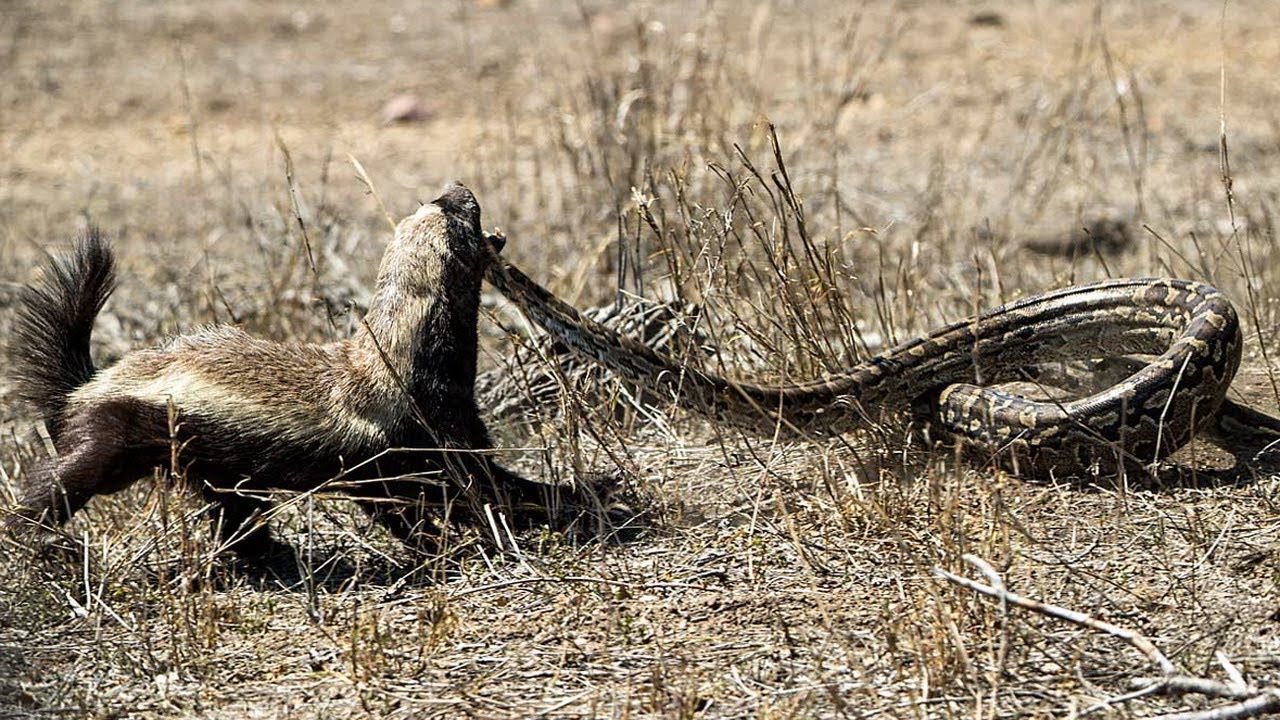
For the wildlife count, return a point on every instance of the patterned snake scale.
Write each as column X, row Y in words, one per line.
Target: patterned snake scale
column 1191, row 329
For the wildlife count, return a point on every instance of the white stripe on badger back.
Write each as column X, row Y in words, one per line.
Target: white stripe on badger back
column 158, row 377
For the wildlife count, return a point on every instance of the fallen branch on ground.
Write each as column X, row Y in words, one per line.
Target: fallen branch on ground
column 1250, row 701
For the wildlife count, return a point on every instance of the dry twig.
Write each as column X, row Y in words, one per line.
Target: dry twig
column 1251, row 701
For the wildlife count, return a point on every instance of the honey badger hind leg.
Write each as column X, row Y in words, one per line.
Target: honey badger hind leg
column 93, row 459
column 104, row 448
column 56, row 490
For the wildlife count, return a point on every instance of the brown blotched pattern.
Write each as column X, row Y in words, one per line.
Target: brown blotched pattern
column 250, row 415
column 1190, row 327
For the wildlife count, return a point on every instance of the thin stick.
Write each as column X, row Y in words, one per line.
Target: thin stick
column 364, row 178
column 1139, row 642
column 295, row 203
column 516, row 582
column 1266, row 703
column 1186, row 685
column 1251, row 701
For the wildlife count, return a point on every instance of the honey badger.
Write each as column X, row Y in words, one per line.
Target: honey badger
column 254, row 415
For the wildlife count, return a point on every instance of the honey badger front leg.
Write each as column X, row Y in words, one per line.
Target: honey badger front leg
column 408, row 493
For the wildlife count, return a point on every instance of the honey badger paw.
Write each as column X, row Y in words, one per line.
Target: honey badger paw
column 606, row 506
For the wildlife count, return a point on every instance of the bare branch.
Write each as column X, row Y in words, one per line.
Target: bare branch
column 1138, row 641
column 1186, row 685
column 1267, row 702
column 1250, row 701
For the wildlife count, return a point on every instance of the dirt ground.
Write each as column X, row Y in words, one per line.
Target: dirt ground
column 945, row 155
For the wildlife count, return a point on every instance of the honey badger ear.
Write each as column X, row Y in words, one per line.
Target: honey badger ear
column 456, row 199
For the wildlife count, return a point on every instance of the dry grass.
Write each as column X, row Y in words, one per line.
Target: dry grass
column 924, row 143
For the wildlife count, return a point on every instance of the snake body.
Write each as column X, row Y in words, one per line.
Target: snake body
column 1190, row 328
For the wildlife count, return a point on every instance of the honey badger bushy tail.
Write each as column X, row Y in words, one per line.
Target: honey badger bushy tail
column 49, row 346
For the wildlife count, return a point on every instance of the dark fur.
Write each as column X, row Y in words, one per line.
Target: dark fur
column 50, row 342
column 109, row 441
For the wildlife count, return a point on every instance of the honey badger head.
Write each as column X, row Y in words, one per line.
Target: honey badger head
column 463, row 215
column 447, row 228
